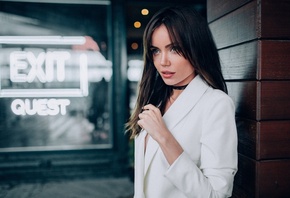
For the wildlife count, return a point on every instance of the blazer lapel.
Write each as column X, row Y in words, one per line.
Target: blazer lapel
column 182, row 105
column 139, row 162
column 151, row 149
column 185, row 102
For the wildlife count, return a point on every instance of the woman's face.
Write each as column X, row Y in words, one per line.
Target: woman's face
column 172, row 67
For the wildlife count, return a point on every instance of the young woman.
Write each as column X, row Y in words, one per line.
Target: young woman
column 183, row 122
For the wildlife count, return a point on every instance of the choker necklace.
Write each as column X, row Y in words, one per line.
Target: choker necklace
column 179, row 87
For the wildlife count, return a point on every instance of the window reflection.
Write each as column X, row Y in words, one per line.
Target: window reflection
column 54, row 89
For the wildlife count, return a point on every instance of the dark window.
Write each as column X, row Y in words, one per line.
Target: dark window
column 55, row 76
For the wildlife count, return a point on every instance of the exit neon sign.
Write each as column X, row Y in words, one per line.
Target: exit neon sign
column 28, row 67
column 40, row 67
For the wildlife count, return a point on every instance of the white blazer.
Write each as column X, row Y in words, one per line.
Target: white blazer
column 202, row 119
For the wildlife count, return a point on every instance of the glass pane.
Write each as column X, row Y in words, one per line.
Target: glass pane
column 54, row 76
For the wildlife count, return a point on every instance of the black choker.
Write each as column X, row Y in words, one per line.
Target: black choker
column 179, row 87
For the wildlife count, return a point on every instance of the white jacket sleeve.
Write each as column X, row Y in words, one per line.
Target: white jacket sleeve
column 218, row 159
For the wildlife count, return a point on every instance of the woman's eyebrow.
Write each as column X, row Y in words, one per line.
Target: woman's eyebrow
column 166, row 46
column 152, row 46
column 169, row 45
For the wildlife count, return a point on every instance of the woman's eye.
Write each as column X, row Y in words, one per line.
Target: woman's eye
column 174, row 49
column 155, row 51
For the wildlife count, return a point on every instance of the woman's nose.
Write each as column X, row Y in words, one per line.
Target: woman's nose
column 164, row 60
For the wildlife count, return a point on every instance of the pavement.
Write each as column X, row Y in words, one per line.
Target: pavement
column 74, row 188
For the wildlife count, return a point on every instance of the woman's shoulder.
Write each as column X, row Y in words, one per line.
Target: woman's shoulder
column 199, row 84
column 216, row 96
column 209, row 97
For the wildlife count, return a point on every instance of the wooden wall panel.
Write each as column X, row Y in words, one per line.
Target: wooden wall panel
column 256, row 19
column 244, row 95
column 262, row 179
column 274, row 59
column 257, row 60
column 273, row 178
column 253, row 38
column 265, row 100
column 245, row 179
column 218, row 8
column 236, row 27
column 274, row 100
column 240, row 62
column 275, row 19
column 265, row 139
column 274, row 139
column 248, row 137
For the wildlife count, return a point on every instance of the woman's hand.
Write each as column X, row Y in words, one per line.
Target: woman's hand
column 151, row 120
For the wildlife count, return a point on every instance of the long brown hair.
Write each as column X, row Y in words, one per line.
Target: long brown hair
column 190, row 31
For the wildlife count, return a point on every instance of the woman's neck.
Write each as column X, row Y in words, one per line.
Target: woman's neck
column 172, row 98
column 176, row 93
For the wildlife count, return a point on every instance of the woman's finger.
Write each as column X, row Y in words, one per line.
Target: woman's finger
column 139, row 122
column 152, row 108
column 149, row 107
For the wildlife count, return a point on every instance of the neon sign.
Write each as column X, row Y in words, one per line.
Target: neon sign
column 29, row 69
column 41, row 107
column 21, row 60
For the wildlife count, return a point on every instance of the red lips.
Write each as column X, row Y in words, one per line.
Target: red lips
column 167, row 74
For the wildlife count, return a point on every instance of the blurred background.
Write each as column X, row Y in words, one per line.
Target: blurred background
column 69, row 71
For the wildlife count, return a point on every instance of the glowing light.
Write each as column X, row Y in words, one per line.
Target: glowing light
column 134, row 46
column 137, row 24
column 42, row 107
column 24, row 93
column 84, row 74
column 47, row 40
column 26, row 67
column 20, row 60
column 144, row 11
column 135, row 70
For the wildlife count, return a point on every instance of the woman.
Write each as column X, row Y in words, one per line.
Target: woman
column 183, row 122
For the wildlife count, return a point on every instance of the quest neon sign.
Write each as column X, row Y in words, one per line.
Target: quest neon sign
column 28, row 67
column 41, row 107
